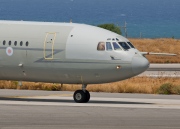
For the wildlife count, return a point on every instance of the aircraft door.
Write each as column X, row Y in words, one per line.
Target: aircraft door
column 49, row 45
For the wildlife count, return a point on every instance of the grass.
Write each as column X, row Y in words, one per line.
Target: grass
column 159, row 45
column 145, row 85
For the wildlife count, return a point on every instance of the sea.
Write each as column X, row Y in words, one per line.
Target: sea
column 143, row 18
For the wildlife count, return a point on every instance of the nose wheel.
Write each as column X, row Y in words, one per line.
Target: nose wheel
column 81, row 96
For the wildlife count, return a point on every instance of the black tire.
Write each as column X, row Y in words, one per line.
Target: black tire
column 79, row 96
column 87, row 96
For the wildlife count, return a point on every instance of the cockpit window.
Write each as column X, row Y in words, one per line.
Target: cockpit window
column 130, row 44
column 101, row 46
column 124, row 45
column 108, row 46
column 116, row 46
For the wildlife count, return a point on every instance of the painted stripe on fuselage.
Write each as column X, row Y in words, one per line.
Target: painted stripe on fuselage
column 56, row 51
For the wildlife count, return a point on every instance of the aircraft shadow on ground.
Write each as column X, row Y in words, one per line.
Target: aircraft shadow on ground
column 68, row 101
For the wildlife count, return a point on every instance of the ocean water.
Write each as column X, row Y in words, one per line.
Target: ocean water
column 150, row 18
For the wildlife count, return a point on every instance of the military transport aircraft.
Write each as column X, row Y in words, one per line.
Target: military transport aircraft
column 66, row 53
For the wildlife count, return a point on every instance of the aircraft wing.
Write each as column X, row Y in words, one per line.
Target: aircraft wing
column 161, row 54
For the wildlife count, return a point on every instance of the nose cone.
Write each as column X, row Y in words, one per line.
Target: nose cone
column 139, row 65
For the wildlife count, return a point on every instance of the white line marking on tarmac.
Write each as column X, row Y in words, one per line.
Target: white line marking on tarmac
column 95, row 102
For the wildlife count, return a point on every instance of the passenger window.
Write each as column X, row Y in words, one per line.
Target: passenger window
column 21, row 43
column 108, row 46
column 124, row 45
column 101, row 46
column 15, row 43
column 27, row 43
column 4, row 42
column 130, row 44
column 9, row 43
column 116, row 46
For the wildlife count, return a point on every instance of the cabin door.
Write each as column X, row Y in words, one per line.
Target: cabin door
column 49, row 45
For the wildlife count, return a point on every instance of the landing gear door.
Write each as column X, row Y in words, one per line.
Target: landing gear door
column 49, row 45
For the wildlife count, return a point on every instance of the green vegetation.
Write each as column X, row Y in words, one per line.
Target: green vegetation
column 165, row 88
column 168, row 88
column 111, row 27
column 176, row 90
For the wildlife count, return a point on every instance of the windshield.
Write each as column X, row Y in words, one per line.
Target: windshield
column 108, row 46
column 130, row 44
column 124, row 45
column 116, row 46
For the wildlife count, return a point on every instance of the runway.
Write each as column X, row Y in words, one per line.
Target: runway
column 21, row 109
column 162, row 70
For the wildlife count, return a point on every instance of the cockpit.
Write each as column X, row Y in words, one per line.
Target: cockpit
column 114, row 44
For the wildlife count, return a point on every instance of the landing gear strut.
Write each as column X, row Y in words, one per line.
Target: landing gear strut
column 82, row 96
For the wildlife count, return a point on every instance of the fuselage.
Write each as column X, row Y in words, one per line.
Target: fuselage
column 66, row 53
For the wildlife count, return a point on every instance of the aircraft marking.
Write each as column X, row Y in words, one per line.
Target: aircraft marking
column 9, row 51
column 41, row 60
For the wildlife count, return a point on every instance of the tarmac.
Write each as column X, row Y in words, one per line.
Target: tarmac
column 162, row 70
column 21, row 109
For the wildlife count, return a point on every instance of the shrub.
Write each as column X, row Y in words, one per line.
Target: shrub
column 176, row 90
column 111, row 27
column 165, row 88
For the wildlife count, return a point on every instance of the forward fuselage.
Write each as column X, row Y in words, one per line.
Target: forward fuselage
column 65, row 53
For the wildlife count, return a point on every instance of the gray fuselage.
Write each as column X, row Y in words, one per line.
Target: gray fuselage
column 65, row 53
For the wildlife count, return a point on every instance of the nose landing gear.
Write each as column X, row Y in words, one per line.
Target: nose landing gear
column 81, row 96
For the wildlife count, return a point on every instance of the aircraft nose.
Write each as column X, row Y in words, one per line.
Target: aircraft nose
column 139, row 65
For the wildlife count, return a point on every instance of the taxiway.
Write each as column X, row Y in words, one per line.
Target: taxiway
column 21, row 109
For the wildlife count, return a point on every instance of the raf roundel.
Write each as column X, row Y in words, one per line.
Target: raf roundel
column 9, row 51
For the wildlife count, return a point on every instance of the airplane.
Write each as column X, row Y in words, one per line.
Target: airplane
column 67, row 53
